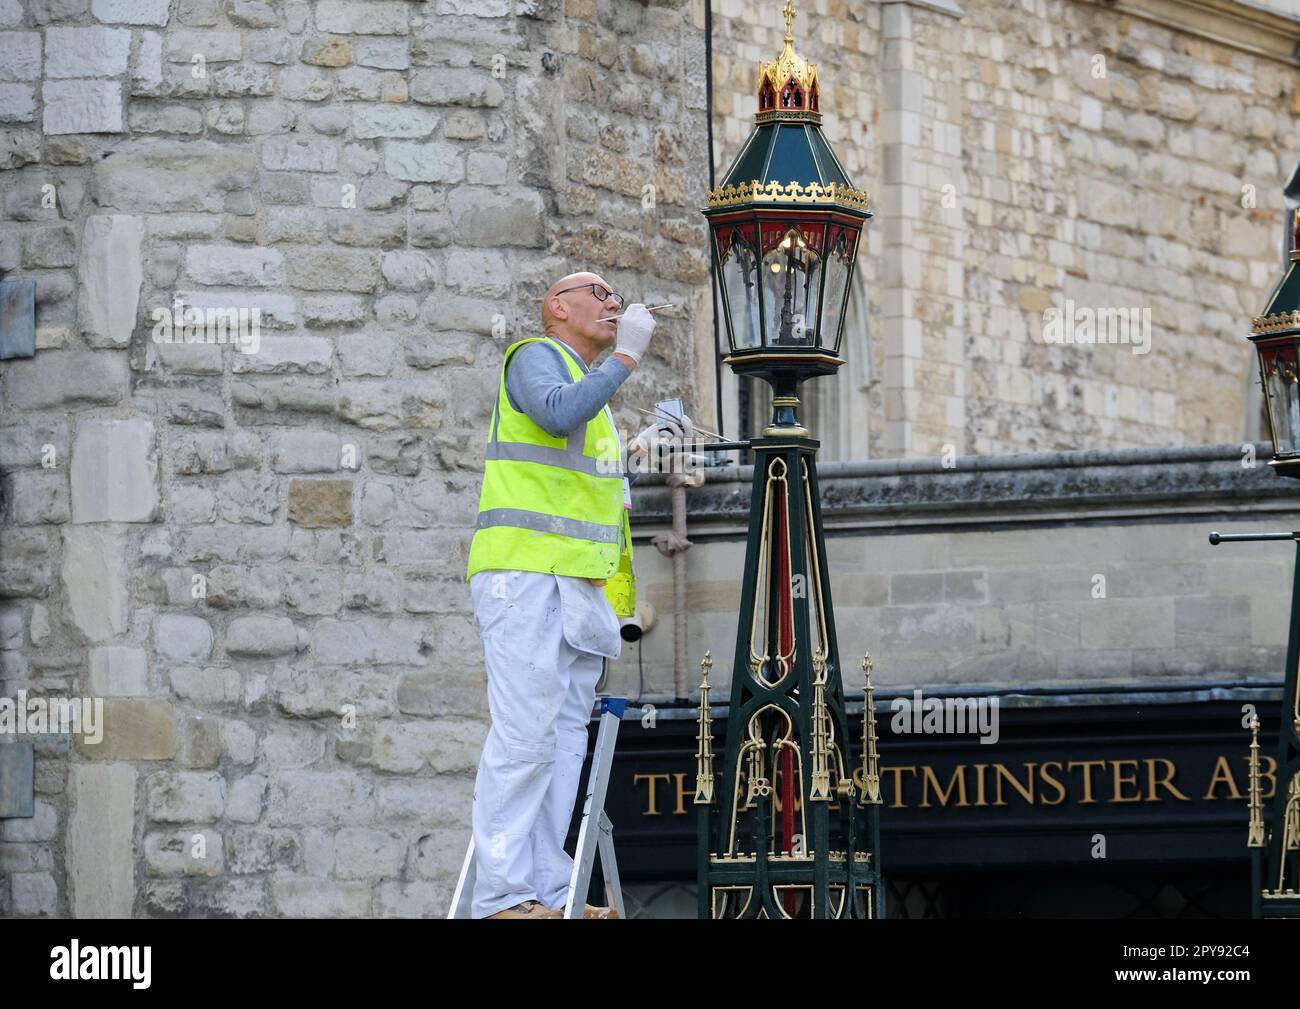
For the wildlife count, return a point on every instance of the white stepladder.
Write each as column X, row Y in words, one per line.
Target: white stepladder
column 591, row 842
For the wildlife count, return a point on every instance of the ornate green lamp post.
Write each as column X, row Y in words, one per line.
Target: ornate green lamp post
column 1276, row 336
column 1275, row 853
column 787, row 831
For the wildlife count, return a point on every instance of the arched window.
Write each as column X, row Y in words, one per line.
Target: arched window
column 791, row 95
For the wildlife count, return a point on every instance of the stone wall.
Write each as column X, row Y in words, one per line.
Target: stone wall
column 257, row 558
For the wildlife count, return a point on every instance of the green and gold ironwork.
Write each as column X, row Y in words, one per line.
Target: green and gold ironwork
column 1275, row 852
column 1273, row 837
column 787, row 832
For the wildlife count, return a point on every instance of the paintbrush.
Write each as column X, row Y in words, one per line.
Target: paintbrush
column 652, row 308
column 668, row 416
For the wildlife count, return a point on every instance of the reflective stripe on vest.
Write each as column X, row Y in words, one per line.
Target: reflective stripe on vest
column 544, row 523
column 522, row 451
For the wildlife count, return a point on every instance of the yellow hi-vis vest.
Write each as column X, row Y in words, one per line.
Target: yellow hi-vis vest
column 554, row 504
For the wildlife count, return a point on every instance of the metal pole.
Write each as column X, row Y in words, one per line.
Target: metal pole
column 678, row 484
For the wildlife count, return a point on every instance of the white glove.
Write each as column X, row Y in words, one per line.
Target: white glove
column 663, row 432
column 634, row 331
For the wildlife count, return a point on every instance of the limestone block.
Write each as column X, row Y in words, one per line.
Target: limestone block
column 101, row 827
column 134, row 729
column 119, row 671
column 263, row 637
column 114, row 472
column 318, row 504
column 430, row 162
column 110, row 275
column 130, row 12
column 94, row 580
column 183, row 638
column 86, row 52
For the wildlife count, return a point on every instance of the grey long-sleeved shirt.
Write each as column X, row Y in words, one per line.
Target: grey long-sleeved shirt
column 538, row 383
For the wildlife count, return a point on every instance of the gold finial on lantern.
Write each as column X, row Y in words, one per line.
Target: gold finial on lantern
column 788, row 87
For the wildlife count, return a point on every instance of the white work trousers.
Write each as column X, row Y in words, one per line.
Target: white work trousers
column 543, row 640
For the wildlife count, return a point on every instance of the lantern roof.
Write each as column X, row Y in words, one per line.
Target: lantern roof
column 786, row 162
column 1282, row 315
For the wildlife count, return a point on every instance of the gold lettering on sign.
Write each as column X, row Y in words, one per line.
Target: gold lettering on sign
column 1026, row 791
column 957, row 781
column 1050, row 783
column 682, row 793
column 652, row 807
column 1166, row 782
column 1122, row 780
column 1222, row 774
column 1087, row 777
column 898, row 802
column 1054, row 782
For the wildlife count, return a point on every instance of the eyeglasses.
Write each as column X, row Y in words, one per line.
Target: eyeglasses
column 598, row 291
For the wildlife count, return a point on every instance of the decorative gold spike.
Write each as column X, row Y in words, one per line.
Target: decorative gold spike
column 870, row 760
column 823, row 730
column 1290, row 830
column 1291, row 821
column 754, row 749
column 1255, row 831
column 1295, row 710
column 704, row 739
column 821, row 774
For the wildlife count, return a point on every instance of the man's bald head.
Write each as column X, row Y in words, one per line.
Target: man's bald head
column 573, row 315
column 572, row 280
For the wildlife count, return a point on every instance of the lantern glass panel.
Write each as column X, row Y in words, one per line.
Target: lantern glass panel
column 739, row 268
column 792, row 276
column 843, row 245
column 1278, row 365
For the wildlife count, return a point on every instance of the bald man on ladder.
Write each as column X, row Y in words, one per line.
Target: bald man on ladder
column 550, row 572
